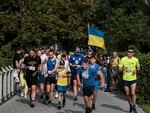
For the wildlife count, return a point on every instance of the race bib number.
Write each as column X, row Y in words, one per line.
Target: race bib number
column 76, row 62
column 32, row 68
column 85, row 75
column 129, row 69
column 93, row 66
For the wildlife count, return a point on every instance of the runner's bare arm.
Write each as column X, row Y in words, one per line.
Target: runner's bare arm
column 100, row 75
column 78, row 79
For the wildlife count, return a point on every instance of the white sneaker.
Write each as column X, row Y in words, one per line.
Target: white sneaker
column 67, row 92
column 25, row 96
column 79, row 89
column 22, row 94
column 56, row 95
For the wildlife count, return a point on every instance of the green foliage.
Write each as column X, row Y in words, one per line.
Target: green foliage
column 35, row 23
column 1, row 61
column 29, row 23
column 143, row 79
column 145, row 107
column 6, row 55
column 127, row 22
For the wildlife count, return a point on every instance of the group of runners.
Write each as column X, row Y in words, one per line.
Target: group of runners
column 52, row 73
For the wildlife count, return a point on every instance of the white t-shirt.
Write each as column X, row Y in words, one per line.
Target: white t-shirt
column 67, row 65
column 44, row 59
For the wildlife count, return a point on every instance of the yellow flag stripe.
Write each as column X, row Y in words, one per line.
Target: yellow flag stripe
column 96, row 41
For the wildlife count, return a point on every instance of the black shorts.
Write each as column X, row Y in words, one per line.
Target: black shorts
column 51, row 80
column 129, row 83
column 88, row 91
column 73, row 76
column 31, row 80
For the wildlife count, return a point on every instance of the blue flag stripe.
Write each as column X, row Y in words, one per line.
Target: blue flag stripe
column 95, row 32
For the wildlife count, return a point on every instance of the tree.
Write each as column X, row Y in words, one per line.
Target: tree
column 45, row 22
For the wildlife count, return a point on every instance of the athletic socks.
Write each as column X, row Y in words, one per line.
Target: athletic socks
column 93, row 106
column 88, row 110
column 134, row 109
column 64, row 101
column 59, row 105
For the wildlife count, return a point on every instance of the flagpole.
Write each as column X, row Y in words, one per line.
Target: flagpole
column 108, row 49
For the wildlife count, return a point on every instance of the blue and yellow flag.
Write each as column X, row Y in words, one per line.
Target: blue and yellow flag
column 96, row 37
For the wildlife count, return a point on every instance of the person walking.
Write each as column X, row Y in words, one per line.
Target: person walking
column 16, row 60
column 114, row 70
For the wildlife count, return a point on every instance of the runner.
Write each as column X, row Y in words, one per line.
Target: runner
column 64, row 57
column 75, row 62
column 87, row 75
column 32, row 64
column 98, row 79
column 62, row 82
column 51, row 78
column 130, row 66
column 16, row 60
column 44, row 59
column 23, row 83
column 89, row 54
column 114, row 70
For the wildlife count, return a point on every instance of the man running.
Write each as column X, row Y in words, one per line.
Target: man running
column 130, row 65
column 75, row 62
column 32, row 64
column 44, row 59
column 51, row 78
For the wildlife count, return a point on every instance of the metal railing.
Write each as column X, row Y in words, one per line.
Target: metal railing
column 6, row 83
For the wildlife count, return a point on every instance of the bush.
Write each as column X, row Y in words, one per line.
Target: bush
column 6, row 55
column 143, row 90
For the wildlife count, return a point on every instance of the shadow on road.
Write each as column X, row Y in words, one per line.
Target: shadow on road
column 113, row 107
column 70, row 97
column 54, row 105
column 71, row 111
column 24, row 101
column 119, row 94
column 79, row 104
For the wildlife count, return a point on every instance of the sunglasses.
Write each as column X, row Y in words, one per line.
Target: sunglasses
column 130, row 51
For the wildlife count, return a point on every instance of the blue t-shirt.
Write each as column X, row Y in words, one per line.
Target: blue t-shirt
column 76, row 60
column 51, row 63
column 96, row 68
column 87, row 76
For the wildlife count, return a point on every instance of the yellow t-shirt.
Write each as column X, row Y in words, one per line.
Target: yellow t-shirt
column 115, row 62
column 128, row 66
column 59, row 57
column 62, row 78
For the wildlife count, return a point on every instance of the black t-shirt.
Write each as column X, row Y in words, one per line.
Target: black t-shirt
column 32, row 63
column 17, row 57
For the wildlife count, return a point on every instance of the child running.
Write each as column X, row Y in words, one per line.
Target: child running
column 87, row 74
column 98, row 79
column 62, row 82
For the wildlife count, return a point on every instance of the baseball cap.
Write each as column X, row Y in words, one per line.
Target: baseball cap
column 77, row 49
column 90, row 51
column 62, row 62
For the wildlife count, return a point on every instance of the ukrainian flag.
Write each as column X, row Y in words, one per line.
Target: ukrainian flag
column 96, row 37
